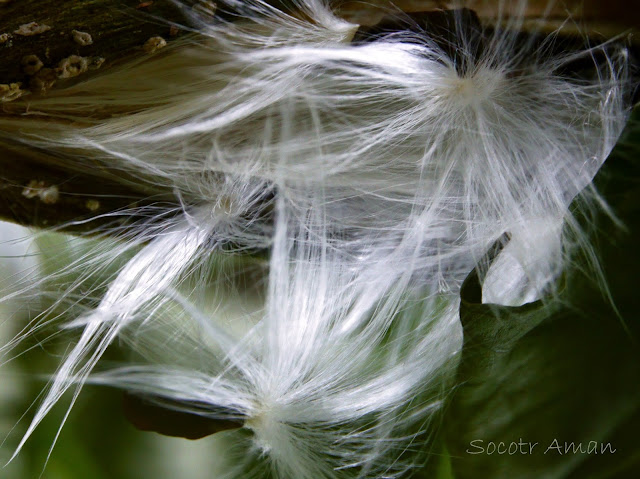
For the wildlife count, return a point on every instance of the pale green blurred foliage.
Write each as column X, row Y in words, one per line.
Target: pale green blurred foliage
column 96, row 442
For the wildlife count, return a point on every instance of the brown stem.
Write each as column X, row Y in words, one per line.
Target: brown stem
column 49, row 43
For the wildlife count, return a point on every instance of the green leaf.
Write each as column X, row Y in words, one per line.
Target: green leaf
column 552, row 388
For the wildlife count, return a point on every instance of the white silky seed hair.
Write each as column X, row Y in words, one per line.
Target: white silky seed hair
column 390, row 168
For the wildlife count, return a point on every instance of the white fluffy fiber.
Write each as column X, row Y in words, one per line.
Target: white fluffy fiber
column 389, row 168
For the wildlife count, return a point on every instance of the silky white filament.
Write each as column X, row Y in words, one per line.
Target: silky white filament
column 377, row 172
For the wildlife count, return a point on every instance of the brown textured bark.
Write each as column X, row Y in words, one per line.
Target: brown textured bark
column 597, row 17
column 118, row 29
column 36, row 188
